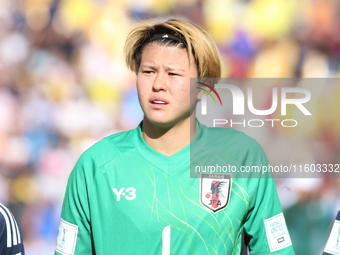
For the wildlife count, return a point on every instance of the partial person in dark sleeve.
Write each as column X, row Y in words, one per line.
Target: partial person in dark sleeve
column 11, row 240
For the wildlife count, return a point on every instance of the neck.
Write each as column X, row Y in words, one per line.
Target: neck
column 169, row 140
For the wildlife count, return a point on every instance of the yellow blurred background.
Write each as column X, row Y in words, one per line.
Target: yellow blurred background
column 64, row 86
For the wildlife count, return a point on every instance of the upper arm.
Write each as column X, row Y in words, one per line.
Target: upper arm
column 74, row 236
column 265, row 225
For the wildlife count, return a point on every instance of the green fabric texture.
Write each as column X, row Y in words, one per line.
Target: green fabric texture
column 122, row 194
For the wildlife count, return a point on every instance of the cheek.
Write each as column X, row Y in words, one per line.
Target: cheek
column 140, row 87
column 184, row 87
column 141, row 96
column 184, row 92
column 185, row 98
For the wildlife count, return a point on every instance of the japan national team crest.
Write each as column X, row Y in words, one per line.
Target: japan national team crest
column 215, row 190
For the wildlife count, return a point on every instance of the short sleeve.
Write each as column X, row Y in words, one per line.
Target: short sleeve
column 265, row 227
column 74, row 236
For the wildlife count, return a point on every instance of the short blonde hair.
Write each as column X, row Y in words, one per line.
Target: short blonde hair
column 191, row 36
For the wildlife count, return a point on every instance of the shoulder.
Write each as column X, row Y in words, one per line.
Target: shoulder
column 106, row 150
column 110, row 147
column 97, row 156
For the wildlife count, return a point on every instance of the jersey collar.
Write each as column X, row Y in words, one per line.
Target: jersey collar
column 175, row 161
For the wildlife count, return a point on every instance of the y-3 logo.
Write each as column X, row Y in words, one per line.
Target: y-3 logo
column 129, row 193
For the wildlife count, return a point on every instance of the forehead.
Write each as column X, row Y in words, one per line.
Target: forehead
column 161, row 54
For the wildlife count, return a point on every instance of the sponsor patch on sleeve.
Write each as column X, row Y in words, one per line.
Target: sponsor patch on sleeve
column 67, row 238
column 277, row 233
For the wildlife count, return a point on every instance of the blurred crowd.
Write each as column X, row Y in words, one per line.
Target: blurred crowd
column 64, row 86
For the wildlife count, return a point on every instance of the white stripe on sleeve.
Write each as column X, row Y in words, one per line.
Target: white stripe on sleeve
column 17, row 229
column 14, row 230
column 9, row 236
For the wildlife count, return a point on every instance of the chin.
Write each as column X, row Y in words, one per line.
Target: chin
column 161, row 123
column 165, row 122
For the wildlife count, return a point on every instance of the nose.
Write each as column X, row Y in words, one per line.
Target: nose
column 160, row 82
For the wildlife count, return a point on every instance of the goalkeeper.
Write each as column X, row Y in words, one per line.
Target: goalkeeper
column 131, row 193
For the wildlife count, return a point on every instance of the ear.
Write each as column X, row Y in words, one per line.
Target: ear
column 199, row 95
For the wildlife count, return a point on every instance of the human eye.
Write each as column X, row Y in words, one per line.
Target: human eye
column 147, row 71
column 173, row 74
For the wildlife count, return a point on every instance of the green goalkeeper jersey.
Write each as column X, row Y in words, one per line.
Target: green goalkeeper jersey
column 123, row 197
